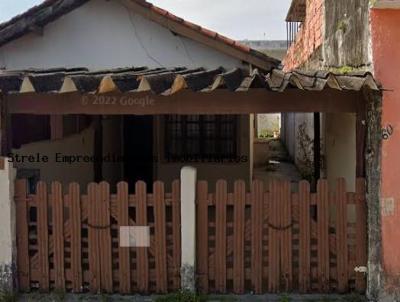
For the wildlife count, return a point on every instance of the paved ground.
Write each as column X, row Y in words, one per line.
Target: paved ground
column 227, row 298
column 278, row 165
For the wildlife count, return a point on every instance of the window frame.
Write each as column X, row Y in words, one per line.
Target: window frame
column 203, row 156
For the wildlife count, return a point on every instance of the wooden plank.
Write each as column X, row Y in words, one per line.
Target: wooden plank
column 202, row 236
column 341, row 236
column 104, row 229
column 257, row 200
column 220, row 236
column 43, row 235
column 361, row 233
column 238, row 235
column 57, row 205
column 273, row 237
column 160, row 237
column 286, row 236
column 304, row 237
column 220, row 101
column 176, row 233
column 94, row 248
column 142, row 277
column 123, row 252
column 76, row 236
column 323, row 235
column 23, row 264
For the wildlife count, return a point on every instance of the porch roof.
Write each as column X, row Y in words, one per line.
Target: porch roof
column 162, row 81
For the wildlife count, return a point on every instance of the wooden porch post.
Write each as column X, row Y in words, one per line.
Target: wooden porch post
column 361, row 132
column 317, row 147
column 4, row 126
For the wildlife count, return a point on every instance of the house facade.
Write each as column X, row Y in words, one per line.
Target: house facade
column 98, row 118
column 168, row 141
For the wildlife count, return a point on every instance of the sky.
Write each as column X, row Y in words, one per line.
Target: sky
column 237, row 19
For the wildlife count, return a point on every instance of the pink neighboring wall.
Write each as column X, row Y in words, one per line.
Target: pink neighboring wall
column 386, row 59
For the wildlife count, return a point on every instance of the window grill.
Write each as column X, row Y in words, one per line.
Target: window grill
column 202, row 137
column 292, row 28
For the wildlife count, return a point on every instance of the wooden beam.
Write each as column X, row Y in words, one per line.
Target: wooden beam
column 220, row 101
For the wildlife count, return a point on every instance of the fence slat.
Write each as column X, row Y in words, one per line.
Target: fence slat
column 43, row 235
column 257, row 200
column 94, row 249
column 220, row 245
column 361, row 233
column 58, row 234
column 202, row 235
column 160, row 236
column 286, row 235
column 341, row 235
column 76, row 236
column 176, row 233
column 22, row 234
column 304, row 237
column 105, row 238
column 238, row 235
column 123, row 252
column 141, row 252
column 323, row 235
column 273, row 237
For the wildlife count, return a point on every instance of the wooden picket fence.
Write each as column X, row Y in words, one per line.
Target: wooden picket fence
column 262, row 239
column 270, row 240
column 70, row 241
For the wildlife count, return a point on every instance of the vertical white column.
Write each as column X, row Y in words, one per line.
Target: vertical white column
column 188, row 228
column 8, row 220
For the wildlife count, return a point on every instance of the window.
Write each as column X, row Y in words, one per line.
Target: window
column 204, row 137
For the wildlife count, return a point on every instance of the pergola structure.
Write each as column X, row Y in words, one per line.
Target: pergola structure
column 142, row 91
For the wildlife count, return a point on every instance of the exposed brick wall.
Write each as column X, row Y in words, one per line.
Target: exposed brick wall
column 309, row 38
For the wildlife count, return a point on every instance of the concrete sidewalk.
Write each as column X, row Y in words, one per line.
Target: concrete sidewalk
column 226, row 298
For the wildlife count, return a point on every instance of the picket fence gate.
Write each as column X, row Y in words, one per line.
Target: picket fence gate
column 70, row 241
column 261, row 239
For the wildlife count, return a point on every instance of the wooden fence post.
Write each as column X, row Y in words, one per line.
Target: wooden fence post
column 188, row 228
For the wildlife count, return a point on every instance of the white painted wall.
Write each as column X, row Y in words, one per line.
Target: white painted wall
column 8, row 224
column 338, row 141
column 78, row 144
column 340, row 148
column 296, row 145
column 106, row 34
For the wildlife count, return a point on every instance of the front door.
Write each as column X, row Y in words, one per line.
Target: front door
column 138, row 149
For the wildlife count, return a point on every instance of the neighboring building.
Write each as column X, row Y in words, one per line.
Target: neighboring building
column 385, row 38
column 273, row 48
column 344, row 37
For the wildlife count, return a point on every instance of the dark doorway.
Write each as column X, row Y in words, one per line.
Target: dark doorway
column 138, row 149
